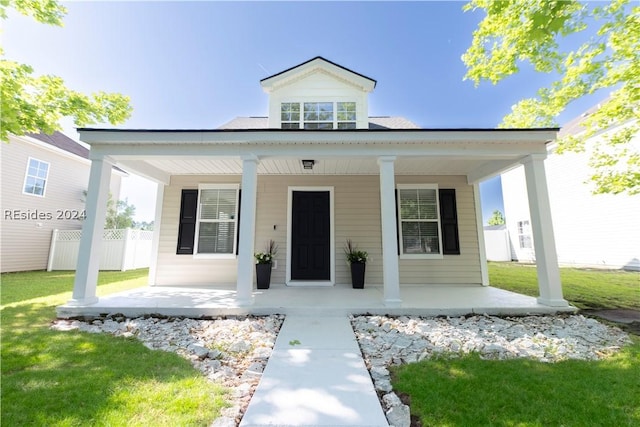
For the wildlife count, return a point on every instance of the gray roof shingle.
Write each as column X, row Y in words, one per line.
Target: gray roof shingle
column 382, row 122
column 63, row 142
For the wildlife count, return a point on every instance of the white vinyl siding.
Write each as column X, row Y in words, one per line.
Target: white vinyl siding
column 357, row 217
column 217, row 223
column 35, row 180
column 26, row 242
column 419, row 221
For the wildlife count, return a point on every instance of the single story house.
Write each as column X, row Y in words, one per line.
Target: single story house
column 316, row 172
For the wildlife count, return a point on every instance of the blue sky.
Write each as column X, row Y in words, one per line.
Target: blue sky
column 198, row 64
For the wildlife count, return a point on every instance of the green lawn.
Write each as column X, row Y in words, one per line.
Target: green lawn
column 582, row 288
column 468, row 391
column 77, row 379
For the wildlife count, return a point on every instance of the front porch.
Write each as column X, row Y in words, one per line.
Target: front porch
column 432, row 300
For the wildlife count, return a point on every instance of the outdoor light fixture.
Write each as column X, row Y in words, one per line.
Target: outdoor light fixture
column 308, row 164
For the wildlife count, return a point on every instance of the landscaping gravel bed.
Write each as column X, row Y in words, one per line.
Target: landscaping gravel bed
column 234, row 351
column 387, row 341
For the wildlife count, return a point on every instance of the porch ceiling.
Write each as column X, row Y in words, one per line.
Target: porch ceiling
column 323, row 166
column 476, row 154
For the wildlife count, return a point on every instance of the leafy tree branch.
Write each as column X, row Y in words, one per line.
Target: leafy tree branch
column 30, row 103
column 520, row 31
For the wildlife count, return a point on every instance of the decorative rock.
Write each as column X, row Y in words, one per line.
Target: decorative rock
column 379, row 372
column 240, row 346
column 383, row 385
column 199, row 350
column 399, row 416
column 224, row 422
column 391, row 399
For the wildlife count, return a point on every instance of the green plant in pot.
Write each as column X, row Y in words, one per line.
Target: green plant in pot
column 357, row 260
column 264, row 261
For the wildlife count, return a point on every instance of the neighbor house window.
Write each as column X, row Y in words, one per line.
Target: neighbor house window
column 524, row 235
column 419, row 221
column 35, row 180
column 318, row 115
column 217, row 223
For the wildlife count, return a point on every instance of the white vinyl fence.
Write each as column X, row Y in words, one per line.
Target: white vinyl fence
column 496, row 243
column 123, row 249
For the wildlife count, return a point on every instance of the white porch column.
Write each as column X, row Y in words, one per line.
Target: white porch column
column 542, row 229
column 155, row 243
column 390, row 270
column 484, row 269
column 86, row 280
column 246, row 264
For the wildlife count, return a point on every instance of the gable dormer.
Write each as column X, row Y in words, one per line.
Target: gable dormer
column 318, row 94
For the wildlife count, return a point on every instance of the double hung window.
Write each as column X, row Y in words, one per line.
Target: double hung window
column 524, row 235
column 419, row 221
column 318, row 115
column 35, row 180
column 217, row 219
column 290, row 115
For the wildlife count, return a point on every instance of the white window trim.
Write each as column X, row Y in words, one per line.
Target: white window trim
column 232, row 255
column 26, row 175
column 419, row 256
column 335, row 121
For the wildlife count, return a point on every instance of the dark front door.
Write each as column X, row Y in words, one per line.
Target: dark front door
column 310, row 236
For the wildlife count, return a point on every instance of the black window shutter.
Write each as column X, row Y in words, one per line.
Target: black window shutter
column 449, row 222
column 187, row 229
column 238, row 221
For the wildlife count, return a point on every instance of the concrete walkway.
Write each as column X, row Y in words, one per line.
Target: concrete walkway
column 315, row 377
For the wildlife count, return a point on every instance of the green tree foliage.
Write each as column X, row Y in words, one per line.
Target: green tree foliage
column 496, row 219
column 31, row 103
column 518, row 31
column 119, row 214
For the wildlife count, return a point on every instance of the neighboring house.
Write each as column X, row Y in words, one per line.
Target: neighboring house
column 316, row 172
column 43, row 179
column 592, row 230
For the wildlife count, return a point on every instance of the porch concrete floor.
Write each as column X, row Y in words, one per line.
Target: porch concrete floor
column 424, row 300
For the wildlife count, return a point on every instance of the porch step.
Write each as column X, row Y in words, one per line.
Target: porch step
column 316, row 376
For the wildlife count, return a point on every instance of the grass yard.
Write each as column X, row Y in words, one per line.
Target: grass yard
column 586, row 289
column 468, row 391
column 77, row 379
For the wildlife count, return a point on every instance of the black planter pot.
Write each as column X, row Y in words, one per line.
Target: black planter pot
column 263, row 275
column 357, row 274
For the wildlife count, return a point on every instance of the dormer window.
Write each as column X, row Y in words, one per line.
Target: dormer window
column 318, row 115
column 290, row 115
column 346, row 115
